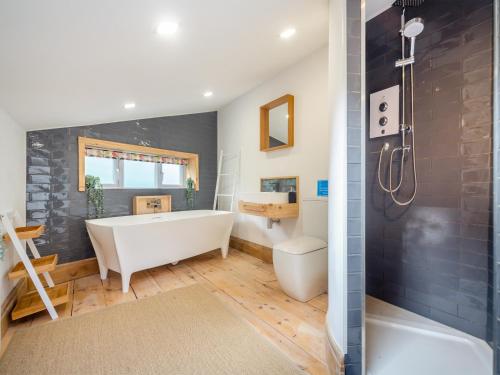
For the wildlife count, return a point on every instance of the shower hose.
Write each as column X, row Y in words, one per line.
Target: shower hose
column 392, row 190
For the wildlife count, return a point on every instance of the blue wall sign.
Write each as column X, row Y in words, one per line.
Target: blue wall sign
column 322, row 188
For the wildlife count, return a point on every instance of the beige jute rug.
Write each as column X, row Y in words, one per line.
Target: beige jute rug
column 184, row 331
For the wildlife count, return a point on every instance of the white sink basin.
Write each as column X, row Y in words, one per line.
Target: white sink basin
column 264, row 197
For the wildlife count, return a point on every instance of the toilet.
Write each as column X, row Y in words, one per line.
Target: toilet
column 301, row 264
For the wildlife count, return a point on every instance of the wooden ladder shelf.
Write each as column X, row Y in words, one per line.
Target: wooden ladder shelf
column 31, row 302
column 41, row 298
column 26, row 233
column 41, row 265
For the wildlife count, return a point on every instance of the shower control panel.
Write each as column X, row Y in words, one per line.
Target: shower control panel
column 384, row 112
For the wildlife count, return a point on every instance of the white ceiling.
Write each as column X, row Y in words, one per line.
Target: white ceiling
column 375, row 7
column 68, row 63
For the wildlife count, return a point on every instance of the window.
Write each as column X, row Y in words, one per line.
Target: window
column 126, row 166
column 133, row 174
column 138, row 174
column 172, row 175
column 104, row 168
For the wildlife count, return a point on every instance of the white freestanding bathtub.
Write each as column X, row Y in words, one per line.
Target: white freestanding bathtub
column 128, row 244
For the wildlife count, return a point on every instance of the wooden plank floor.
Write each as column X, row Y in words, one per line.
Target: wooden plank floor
column 246, row 285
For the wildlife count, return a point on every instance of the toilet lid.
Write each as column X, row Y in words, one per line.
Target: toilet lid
column 301, row 245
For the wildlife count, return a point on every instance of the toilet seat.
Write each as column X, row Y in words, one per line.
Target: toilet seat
column 301, row 245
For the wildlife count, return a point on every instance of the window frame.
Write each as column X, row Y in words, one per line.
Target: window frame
column 191, row 170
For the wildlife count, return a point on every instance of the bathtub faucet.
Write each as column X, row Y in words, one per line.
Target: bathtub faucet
column 154, row 204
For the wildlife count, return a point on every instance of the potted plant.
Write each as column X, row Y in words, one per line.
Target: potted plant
column 190, row 193
column 95, row 196
column 3, row 247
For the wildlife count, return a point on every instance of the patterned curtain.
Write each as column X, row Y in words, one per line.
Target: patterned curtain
column 100, row 153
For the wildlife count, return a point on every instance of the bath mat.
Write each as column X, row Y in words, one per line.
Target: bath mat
column 181, row 332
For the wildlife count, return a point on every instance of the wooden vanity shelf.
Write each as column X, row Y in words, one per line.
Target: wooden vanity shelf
column 270, row 210
column 27, row 233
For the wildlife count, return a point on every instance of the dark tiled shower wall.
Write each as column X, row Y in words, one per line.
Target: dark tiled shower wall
column 355, row 224
column 435, row 256
column 496, row 127
column 52, row 175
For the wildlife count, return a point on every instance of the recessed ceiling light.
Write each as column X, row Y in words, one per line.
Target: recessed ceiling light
column 167, row 28
column 288, row 33
column 208, row 94
column 130, row 105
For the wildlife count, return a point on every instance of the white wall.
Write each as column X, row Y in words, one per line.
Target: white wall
column 238, row 129
column 12, row 184
column 336, row 319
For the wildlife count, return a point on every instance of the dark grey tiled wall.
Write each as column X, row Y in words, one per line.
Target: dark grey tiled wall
column 355, row 174
column 52, row 175
column 435, row 256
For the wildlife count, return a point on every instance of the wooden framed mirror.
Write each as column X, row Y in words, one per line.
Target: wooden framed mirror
column 276, row 124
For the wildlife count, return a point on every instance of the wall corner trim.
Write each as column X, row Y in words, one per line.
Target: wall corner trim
column 334, row 355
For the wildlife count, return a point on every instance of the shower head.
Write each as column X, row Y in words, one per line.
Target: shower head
column 413, row 27
column 411, row 30
column 408, row 3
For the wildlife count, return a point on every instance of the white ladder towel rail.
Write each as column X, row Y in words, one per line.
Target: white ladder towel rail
column 21, row 252
column 234, row 175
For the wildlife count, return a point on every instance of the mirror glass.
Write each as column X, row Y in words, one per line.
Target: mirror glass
column 278, row 126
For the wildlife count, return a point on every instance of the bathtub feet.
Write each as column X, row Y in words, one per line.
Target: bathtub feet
column 103, row 272
column 174, row 263
column 125, row 282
